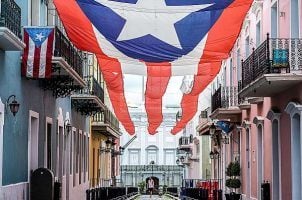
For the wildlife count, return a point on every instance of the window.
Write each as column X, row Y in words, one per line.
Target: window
column 80, row 157
column 239, row 62
column 294, row 19
column 35, row 12
column 77, row 151
column 65, row 154
column 74, row 133
column 61, row 151
column 84, row 156
column 231, row 72
column 74, row 159
column 152, row 152
column 169, row 157
column 134, row 157
column 274, row 21
column 71, row 153
column 247, row 47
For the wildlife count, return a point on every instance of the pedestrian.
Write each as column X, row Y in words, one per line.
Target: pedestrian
column 150, row 186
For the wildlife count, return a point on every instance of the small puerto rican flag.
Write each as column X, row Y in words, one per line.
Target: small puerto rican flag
column 36, row 60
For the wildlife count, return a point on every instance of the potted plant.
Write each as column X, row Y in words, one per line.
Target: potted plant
column 233, row 182
column 141, row 187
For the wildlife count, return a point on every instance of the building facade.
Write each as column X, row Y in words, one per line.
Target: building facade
column 105, row 134
column 51, row 128
column 259, row 92
column 151, row 155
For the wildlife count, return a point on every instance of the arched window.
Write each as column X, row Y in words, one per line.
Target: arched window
column 152, row 154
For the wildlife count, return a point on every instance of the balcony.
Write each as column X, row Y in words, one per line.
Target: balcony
column 10, row 26
column 68, row 63
column 90, row 99
column 273, row 67
column 204, row 123
column 184, row 143
column 225, row 104
column 106, row 123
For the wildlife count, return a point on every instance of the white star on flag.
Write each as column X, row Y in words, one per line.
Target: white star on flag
column 151, row 18
column 39, row 37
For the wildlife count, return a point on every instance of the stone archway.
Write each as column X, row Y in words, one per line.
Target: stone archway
column 156, row 184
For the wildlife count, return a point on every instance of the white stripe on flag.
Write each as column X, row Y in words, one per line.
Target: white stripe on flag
column 185, row 65
column 43, row 52
column 188, row 64
column 30, row 58
column 128, row 65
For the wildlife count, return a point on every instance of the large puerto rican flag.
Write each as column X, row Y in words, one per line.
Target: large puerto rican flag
column 158, row 39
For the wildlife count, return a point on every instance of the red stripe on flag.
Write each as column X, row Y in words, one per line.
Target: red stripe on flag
column 189, row 102
column 112, row 73
column 36, row 66
column 49, row 53
column 157, row 82
column 80, row 32
column 77, row 26
column 219, row 43
column 25, row 54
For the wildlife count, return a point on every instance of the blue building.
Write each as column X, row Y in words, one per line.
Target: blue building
column 51, row 128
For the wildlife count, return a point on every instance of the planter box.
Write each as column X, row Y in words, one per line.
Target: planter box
column 233, row 196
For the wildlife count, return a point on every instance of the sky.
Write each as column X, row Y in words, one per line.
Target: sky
column 134, row 90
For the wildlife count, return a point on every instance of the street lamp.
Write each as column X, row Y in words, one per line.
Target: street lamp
column 67, row 126
column 107, row 147
column 216, row 154
column 182, row 159
column 225, row 139
column 211, row 155
column 152, row 163
column 212, row 129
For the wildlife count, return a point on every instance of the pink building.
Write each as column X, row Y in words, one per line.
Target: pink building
column 259, row 90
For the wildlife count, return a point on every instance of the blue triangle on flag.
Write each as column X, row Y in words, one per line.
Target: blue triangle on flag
column 38, row 34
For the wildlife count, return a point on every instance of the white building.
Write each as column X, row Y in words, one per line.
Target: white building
column 145, row 149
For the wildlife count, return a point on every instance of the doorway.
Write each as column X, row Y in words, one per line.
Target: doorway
column 276, row 160
column 248, row 168
column 260, row 159
column 1, row 137
column 156, row 184
column 296, row 157
column 33, row 138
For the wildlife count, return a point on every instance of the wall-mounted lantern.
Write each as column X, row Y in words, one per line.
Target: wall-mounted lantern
column 13, row 105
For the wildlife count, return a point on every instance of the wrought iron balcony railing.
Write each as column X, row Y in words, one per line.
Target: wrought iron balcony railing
column 93, row 88
column 273, row 55
column 65, row 49
column 225, row 97
column 107, row 117
column 138, row 168
column 10, row 16
column 185, row 140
